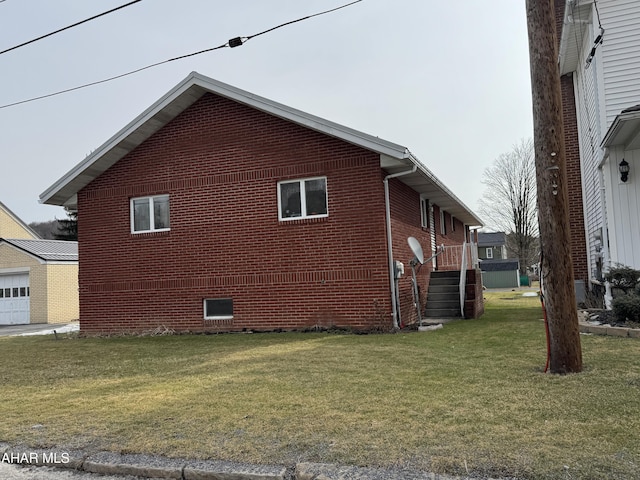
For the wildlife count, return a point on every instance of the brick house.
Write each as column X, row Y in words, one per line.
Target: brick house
column 599, row 61
column 38, row 278
column 217, row 210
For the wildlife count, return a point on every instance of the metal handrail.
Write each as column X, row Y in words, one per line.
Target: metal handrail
column 463, row 278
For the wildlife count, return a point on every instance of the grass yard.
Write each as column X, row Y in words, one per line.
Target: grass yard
column 469, row 398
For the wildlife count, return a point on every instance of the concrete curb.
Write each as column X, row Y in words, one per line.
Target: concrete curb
column 156, row 467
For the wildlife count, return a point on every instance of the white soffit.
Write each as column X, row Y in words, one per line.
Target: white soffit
column 624, row 131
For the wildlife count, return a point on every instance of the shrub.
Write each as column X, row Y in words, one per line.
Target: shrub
column 627, row 308
column 623, row 277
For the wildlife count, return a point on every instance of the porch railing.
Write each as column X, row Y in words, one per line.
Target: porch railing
column 462, row 257
column 452, row 257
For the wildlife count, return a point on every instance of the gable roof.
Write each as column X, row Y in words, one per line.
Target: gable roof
column 46, row 250
column 574, row 26
column 18, row 221
column 394, row 158
column 491, row 239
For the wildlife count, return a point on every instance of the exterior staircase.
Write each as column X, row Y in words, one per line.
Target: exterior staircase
column 443, row 296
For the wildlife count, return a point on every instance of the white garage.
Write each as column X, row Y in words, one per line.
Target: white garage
column 14, row 299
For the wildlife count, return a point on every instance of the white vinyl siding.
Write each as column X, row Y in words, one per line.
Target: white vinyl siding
column 620, row 55
column 590, row 133
column 602, row 91
column 623, row 200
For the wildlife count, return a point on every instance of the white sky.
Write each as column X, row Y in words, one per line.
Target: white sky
column 447, row 79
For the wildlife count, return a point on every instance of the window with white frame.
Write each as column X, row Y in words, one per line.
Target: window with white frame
column 489, row 253
column 424, row 212
column 305, row 198
column 443, row 226
column 150, row 214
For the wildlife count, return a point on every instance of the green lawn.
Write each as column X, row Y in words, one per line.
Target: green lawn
column 470, row 397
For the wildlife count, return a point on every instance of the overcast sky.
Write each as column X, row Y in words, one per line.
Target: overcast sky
column 448, row 80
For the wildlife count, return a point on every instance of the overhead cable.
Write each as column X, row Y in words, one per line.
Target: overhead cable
column 234, row 42
column 70, row 26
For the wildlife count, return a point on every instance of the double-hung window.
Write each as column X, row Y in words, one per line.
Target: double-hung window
column 424, row 212
column 305, row 198
column 150, row 214
column 443, row 226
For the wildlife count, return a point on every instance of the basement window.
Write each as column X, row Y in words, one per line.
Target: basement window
column 305, row 198
column 150, row 214
column 218, row 308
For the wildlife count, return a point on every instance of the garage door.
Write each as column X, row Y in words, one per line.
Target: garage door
column 14, row 299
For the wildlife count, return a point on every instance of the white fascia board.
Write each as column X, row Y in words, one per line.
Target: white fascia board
column 477, row 222
column 91, row 160
column 176, row 101
column 630, row 122
column 303, row 118
column 572, row 33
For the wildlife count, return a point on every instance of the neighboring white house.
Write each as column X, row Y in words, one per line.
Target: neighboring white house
column 600, row 49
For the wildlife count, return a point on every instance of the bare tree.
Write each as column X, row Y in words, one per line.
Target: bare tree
column 509, row 201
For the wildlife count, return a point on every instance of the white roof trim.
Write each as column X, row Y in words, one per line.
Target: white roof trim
column 187, row 92
column 625, row 131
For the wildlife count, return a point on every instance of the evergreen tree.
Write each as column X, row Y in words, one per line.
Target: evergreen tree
column 68, row 228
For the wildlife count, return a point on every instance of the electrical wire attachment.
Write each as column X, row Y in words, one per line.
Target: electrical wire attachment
column 232, row 43
column 596, row 42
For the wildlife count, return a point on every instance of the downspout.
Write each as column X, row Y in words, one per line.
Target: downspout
column 606, row 260
column 387, row 205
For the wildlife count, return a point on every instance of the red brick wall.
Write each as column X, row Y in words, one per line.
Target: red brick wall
column 574, row 181
column 405, row 223
column 574, row 178
column 220, row 163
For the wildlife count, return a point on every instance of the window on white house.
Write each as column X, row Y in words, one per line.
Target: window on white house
column 489, row 252
column 150, row 214
column 443, row 226
column 306, row 198
column 218, row 308
column 424, row 212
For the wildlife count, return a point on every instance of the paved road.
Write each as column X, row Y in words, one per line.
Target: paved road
column 17, row 472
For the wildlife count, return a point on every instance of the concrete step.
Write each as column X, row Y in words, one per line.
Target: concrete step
column 443, row 296
column 443, row 313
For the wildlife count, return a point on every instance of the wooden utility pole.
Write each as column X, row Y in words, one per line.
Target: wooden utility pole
column 551, row 176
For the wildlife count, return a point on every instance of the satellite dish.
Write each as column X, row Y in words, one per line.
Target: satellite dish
column 416, row 248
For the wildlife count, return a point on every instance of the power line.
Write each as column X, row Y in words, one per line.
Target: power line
column 234, row 42
column 70, row 26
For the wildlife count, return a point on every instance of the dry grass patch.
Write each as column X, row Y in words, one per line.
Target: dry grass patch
column 468, row 398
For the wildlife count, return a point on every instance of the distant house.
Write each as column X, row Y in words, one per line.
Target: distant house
column 220, row 210
column 599, row 62
column 11, row 226
column 38, row 278
column 497, row 270
column 492, row 245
